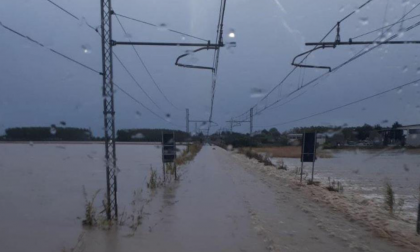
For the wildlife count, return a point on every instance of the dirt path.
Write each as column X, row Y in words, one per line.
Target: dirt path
column 223, row 204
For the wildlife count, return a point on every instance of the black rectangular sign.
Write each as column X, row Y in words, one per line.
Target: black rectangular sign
column 308, row 148
column 168, row 147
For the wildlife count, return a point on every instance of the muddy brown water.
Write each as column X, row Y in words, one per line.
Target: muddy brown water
column 365, row 171
column 217, row 205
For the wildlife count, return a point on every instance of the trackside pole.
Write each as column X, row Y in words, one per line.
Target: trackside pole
column 301, row 172
column 418, row 219
column 313, row 168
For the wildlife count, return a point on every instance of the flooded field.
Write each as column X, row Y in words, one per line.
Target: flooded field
column 42, row 201
column 41, row 189
column 365, row 172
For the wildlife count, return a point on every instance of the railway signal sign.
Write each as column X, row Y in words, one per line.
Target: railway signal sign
column 168, row 147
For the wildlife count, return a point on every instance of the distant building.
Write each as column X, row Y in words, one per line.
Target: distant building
column 412, row 135
column 294, row 139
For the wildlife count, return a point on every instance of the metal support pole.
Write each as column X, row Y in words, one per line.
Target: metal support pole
column 251, row 120
column 109, row 113
column 313, row 169
column 188, row 120
column 301, row 172
column 418, row 219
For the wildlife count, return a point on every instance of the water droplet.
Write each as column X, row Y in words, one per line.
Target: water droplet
column 399, row 91
column 138, row 114
column 162, row 27
column 231, row 33
column 256, row 93
column 405, row 69
column 31, row 143
column 230, row 147
column 182, row 38
column 63, row 123
column 384, row 121
column 86, row 49
column 364, row 21
column 168, row 117
column 128, row 35
column 418, row 70
column 53, row 130
column 401, row 32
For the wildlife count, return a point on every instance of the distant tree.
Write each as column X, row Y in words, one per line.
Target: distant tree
column 274, row 132
column 397, row 134
column 363, row 132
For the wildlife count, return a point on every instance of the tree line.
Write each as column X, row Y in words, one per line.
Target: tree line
column 47, row 134
column 335, row 135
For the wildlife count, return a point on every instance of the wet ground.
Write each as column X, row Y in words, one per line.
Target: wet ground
column 221, row 203
column 224, row 204
column 365, row 172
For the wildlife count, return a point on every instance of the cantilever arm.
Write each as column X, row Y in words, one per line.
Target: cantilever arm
column 194, row 66
column 308, row 52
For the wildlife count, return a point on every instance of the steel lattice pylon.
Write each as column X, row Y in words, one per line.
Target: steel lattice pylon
column 109, row 113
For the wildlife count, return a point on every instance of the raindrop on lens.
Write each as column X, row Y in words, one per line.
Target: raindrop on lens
column 53, row 130
column 86, row 49
column 163, row 27
column 231, row 33
column 364, row 21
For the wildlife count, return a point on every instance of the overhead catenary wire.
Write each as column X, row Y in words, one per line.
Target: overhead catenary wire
column 146, row 68
column 145, row 107
column 50, row 49
column 78, row 63
column 335, row 69
column 346, row 105
column 359, row 54
column 115, row 55
column 295, row 67
column 154, row 25
column 216, row 55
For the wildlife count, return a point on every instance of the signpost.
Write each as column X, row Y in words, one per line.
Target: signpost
column 308, row 154
column 168, row 151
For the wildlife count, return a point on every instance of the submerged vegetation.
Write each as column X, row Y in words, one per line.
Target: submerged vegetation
column 265, row 159
column 90, row 211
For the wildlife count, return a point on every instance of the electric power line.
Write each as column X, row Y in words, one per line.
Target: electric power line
column 115, row 55
column 384, row 27
column 154, row 25
column 347, row 104
column 361, row 53
column 52, row 50
column 146, row 68
column 141, row 104
column 295, row 67
column 81, row 64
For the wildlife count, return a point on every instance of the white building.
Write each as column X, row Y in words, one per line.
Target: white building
column 412, row 135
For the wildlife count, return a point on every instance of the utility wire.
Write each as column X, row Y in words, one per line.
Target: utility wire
column 52, row 50
column 347, row 104
column 154, row 25
column 81, row 64
column 138, row 84
column 141, row 104
column 339, row 66
column 359, row 54
column 384, row 27
column 73, row 60
column 146, row 68
column 115, row 55
column 219, row 40
column 295, row 67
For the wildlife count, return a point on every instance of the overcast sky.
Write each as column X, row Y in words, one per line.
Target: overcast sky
column 39, row 88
